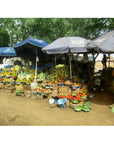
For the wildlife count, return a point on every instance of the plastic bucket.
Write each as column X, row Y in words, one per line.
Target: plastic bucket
column 52, row 100
column 61, row 84
column 62, row 102
column 62, row 105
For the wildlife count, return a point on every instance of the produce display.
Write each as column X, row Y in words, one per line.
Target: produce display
column 61, row 72
column 49, row 84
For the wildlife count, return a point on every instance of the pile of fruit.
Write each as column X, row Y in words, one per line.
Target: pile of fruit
column 75, row 85
column 42, row 76
column 61, row 71
column 39, row 90
column 68, row 82
column 9, row 75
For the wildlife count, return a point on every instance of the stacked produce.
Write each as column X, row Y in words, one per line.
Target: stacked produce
column 9, row 75
column 42, row 76
column 25, row 78
column 61, row 72
column 54, row 84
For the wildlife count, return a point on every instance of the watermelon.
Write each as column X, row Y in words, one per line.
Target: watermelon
column 112, row 109
column 74, row 94
column 84, row 98
column 74, row 101
column 78, row 109
column 85, row 109
column 87, row 105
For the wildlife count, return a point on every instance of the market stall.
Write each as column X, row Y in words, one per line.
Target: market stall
column 55, row 83
column 104, row 44
column 70, row 45
column 6, row 52
column 67, row 45
column 28, row 48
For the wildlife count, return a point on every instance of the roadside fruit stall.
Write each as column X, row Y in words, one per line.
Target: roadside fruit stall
column 55, row 85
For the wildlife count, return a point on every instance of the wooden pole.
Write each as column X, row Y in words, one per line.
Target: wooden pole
column 70, row 64
column 36, row 67
column 55, row 60
column 109, row 60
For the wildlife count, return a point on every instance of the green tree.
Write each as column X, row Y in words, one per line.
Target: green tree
column 49, row 29
column 4, row 38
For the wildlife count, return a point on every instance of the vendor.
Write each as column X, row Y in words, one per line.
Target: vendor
column 5, row 62
column 85, row 68
column 104, row 60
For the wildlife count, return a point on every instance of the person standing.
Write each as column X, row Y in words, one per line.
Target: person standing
column 104, row 60
column 5, row 62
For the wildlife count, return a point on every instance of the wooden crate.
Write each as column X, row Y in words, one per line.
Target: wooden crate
column 55, row 87
column 26, row 87
column 68, row 103
column 19, row 87
column 63, row 89
column 9, row 88
column 53, row 94
column 76, row 91
column 28, row 93
column 1, row 86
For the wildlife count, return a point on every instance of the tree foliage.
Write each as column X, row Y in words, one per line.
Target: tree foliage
column 4, row 38
column 49, row 29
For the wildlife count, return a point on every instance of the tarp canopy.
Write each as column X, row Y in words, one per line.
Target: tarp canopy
column 104, row 43
column 27, row 49
column 7, row 51
column 66, row 44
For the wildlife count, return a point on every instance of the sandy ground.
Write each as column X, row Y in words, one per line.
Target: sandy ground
column 22, row 111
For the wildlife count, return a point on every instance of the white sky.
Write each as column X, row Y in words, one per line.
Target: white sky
column 100, row 56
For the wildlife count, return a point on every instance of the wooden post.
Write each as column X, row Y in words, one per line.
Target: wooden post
column 70, row 64
column 35, row 67
column 109, row 60
column 55, row 60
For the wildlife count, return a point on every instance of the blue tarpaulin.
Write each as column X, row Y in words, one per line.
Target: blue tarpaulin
column 7, row 51
column 32, row 41
column 27, row 49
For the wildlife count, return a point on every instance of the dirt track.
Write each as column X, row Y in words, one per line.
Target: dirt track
column 24, row 111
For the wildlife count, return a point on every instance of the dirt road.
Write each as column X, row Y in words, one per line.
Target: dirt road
column 24, row 111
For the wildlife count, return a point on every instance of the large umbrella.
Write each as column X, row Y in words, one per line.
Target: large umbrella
column 67, row 45
column 104, row 43
column 7, row 51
